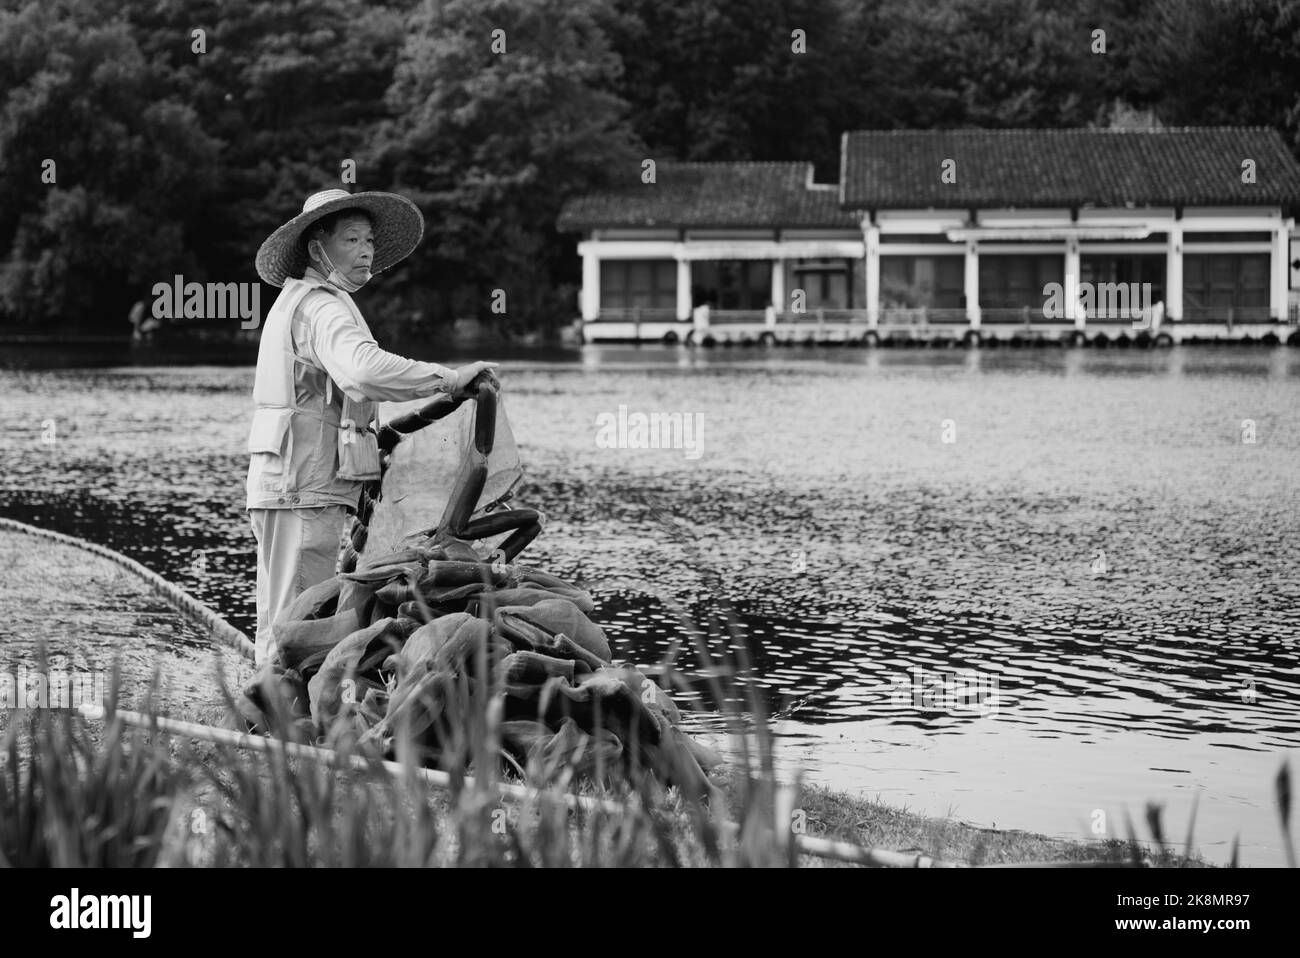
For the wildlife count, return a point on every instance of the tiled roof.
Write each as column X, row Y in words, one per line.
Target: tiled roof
column 899, row 169
column 718, row 195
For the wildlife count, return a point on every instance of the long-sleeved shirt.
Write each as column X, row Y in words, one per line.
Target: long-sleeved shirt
column 326, row 333
column 308, row 361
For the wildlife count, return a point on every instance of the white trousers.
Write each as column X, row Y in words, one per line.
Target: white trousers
column 296, row 549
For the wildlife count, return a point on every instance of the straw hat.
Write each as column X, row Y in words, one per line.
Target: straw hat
column 397, row 222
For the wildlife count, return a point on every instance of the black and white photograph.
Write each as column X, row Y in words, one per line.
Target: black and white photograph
column 784, row 434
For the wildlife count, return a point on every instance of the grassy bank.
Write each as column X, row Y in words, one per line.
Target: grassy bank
column 81, row 792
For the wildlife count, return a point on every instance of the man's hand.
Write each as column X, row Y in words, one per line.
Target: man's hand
column 466, row 375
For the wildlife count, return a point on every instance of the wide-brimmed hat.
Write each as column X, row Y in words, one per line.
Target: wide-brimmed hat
column 398, row 226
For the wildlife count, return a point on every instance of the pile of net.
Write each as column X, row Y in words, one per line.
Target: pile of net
column 396, row 643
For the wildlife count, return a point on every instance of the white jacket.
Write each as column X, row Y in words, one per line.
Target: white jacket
column 318, row 365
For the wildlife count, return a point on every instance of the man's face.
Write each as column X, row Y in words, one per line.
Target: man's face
column 351, row 247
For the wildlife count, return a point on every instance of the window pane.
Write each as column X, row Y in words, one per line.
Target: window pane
column 640, row 297
column 639, row 275
column 1019, row 276
column 705, row 279
column 1012, row 281
column 898, row 286
column 613, row 284
column 644, row 283
column 1223, row 272
column 837, row 289
column 1254, row 280
column 896, row 269
column 1254, row 271
column 950, row 282
column 825, row 282
column 665, row 284
column 991, row 287
column 759, row 285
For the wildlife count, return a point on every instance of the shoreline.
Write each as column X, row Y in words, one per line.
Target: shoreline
column 111, row 604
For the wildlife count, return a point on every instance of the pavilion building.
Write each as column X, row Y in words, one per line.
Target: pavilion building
column 1077, row 234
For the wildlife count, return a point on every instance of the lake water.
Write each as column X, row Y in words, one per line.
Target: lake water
column 1020, row 586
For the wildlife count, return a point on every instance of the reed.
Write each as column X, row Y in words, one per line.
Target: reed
column 73, row 793
column 69, row 799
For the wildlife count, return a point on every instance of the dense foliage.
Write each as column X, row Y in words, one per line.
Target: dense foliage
column 178, row 153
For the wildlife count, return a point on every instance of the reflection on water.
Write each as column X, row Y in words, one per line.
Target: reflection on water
column 1018, row 584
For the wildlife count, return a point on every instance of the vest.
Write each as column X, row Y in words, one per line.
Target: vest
column 304, row 425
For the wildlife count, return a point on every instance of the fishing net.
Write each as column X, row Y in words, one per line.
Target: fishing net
column 431, row 613
column 422, row 474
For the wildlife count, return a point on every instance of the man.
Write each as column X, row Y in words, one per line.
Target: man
column 135, row 317
column 320, row 373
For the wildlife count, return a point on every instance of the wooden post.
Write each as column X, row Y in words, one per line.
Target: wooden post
column 683, row 287
column 871, row 238
column 590, row 283
column 1174, row 270
column 1279, row 274
column 972, row 285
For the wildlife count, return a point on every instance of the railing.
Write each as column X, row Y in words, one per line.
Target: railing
column 720, row 317
column 1231, row 315
column 947, row 315
column 926, row 316
column 1000, row 316
column 1118, row 317
column 637, row 314
column 821, row 315
column 1016, row 315
column 922, row 316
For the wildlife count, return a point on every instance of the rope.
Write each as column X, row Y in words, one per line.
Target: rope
column 213, row 625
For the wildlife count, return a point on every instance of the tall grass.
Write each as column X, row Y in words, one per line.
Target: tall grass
column 73, row 793
column 69, row 799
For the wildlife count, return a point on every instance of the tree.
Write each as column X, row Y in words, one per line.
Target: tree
column 79, row 239
column 985, row 63
column 768, row 80
column 491, row 132
column 291, row 88
column 1213, row 62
